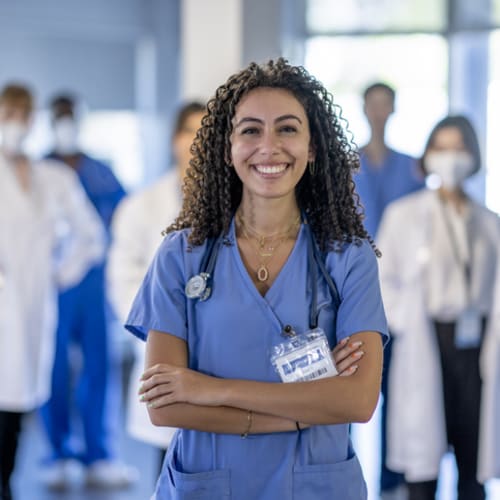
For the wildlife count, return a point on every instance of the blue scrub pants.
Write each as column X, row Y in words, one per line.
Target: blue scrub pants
column 83, row 320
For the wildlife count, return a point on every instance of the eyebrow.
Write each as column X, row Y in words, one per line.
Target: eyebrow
column 258, row 120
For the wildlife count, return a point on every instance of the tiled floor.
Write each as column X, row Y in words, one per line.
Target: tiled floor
column 27, row 485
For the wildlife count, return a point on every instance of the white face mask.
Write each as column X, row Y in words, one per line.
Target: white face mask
column 65, row 136
column 13, row 134
column 452, row 167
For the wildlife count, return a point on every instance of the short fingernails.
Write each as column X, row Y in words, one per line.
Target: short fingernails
column 357, row 344
column 344, row 341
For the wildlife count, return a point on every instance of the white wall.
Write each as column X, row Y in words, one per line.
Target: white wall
column 211, row 45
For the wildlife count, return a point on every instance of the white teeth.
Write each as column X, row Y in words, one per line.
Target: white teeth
column 271, row 169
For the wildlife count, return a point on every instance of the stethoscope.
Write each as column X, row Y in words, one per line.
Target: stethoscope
column 200, row 286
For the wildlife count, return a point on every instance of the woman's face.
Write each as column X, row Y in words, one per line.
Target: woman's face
column 270, row 142
column 14, row 127
column 448, row 158
column 183, row 140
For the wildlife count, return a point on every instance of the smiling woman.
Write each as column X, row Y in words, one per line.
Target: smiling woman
column 269, row 188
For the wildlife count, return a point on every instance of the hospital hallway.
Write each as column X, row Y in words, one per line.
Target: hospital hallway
column 27, row 484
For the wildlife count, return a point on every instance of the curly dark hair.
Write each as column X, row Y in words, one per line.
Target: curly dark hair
column 212, row 189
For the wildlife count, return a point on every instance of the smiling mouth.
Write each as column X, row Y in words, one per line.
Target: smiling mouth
column 271, row 169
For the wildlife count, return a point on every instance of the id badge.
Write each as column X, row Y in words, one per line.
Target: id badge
column 304, row 357
column 468, row 329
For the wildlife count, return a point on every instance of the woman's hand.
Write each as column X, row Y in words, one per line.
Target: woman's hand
column 346, row 355
column 165, row 384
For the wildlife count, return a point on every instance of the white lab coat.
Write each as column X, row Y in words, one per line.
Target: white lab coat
column 49, row 237
column 136, row 234
column 416, row 423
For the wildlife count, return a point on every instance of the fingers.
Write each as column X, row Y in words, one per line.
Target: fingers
column 349, row 371
column 154, row 380
column 159, row 368
column 344, row 350
column 148, row 392
column 340, row 345
column 349, row 364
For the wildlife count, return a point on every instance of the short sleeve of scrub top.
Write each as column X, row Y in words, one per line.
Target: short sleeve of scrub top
column 160, row 303
column 355, row 272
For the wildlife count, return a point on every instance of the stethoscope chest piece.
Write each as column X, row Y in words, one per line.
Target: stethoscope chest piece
column 197, row 287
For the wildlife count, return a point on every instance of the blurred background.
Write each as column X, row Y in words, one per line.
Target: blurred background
column 132, row 62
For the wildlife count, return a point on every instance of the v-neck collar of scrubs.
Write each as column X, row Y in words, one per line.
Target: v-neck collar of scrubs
column 276, row 286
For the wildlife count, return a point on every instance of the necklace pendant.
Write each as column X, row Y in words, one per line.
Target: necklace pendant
column 262, row 273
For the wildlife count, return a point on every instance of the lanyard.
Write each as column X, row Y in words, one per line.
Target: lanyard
column 465, row 266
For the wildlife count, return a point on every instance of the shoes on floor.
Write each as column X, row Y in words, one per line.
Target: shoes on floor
column 109, row 474
column 59, row 475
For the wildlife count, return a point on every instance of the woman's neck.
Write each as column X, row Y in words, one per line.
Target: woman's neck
column 455, row 197
column 269, row 217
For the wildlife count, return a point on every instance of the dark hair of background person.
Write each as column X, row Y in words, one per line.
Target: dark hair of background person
column 213, row 190
column 380, row 86
column 62, row 105
column 469, row 138
column 184, row 112
column 17, row 95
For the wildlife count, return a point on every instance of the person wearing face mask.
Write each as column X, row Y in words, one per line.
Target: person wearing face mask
column 83, row 321
column 438, row 274
column 50, row 235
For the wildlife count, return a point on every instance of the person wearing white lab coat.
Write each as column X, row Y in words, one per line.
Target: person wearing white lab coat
column 136, row 235
column 50, row 235
column 439, row 272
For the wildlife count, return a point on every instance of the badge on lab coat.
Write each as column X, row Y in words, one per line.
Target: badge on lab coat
column 304, row 357
column 468, row 329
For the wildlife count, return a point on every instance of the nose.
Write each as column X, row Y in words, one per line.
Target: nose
column 270, row 143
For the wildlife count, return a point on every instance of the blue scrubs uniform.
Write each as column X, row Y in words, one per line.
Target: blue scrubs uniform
column 83, row 318
column 377, row 186
column 230, row 336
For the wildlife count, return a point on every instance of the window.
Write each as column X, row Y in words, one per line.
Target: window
column 431, row 51
column 493, row 126
column 415, row 65
column 325, row 16
column 114, row 137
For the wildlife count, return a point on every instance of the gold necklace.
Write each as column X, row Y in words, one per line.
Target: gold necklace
column 265, row 253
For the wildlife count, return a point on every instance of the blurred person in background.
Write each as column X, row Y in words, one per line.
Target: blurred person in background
column 385, row 175
column 84, row 320
column 50, row 235
column 136, row 235
column 440, row 257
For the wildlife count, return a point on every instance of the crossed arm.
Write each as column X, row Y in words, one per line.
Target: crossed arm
column 180, row 397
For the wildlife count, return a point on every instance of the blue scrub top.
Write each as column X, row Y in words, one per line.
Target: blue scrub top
column 230, row 336
column 379, row 185
column 101, row 185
